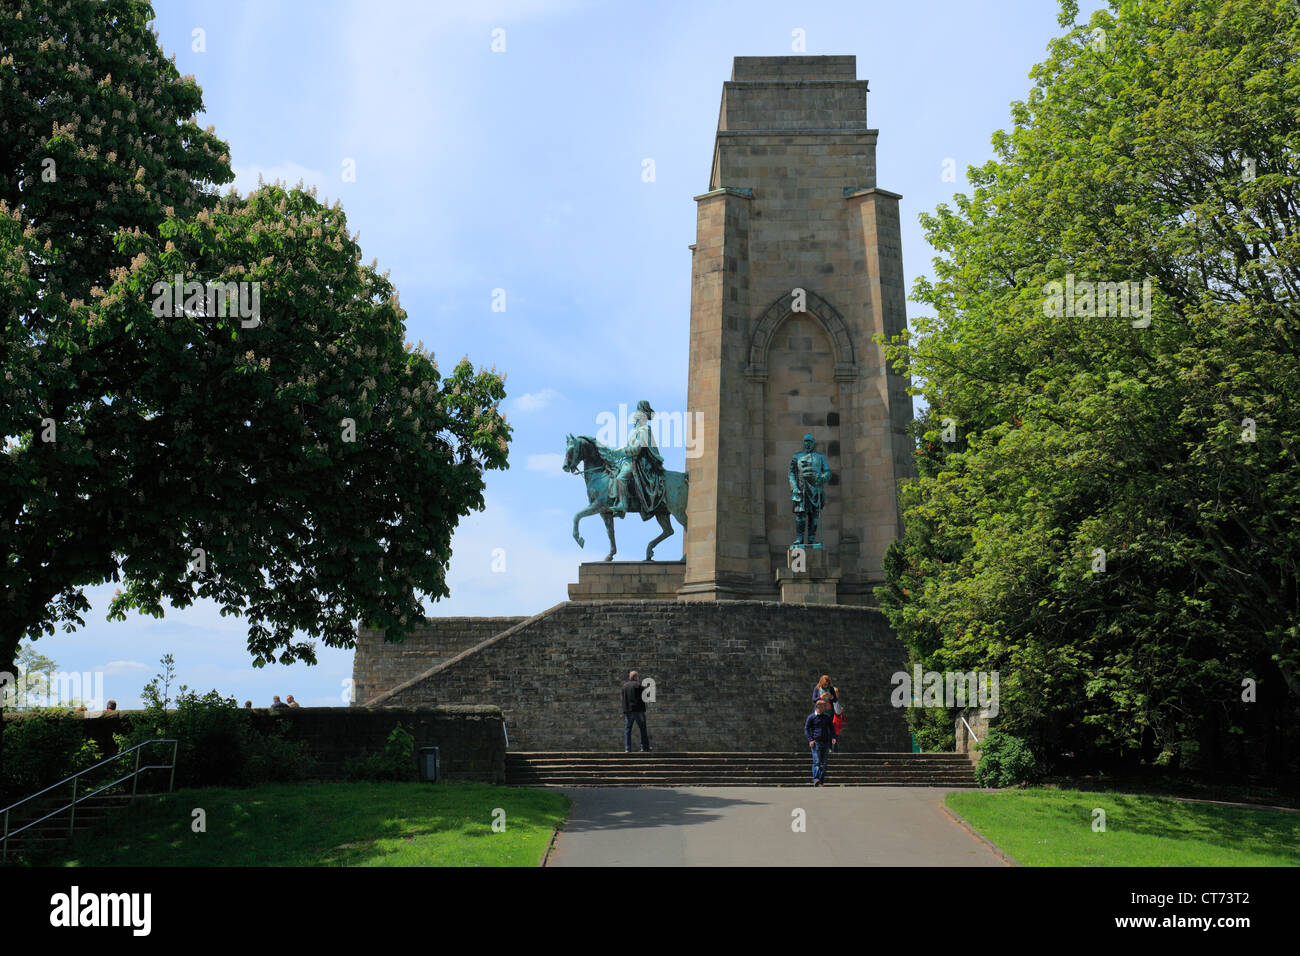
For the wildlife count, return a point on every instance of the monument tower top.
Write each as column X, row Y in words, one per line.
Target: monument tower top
column 793, row 69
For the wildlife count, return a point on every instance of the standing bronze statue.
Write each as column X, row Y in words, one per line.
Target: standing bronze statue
column 628, row 480
column 809, row 473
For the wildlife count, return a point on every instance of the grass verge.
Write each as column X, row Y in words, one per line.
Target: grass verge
column 1042, row 827
column 329, row 824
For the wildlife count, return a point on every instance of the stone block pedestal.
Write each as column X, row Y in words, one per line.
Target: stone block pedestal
column 809, row 577
column 628, row 581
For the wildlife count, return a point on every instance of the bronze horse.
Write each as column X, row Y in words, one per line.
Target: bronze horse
column 599, row 465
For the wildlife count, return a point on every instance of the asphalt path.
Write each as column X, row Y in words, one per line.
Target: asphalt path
column 758, row 826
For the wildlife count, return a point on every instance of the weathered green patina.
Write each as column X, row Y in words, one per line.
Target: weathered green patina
column 629, row 480
column 809, row 473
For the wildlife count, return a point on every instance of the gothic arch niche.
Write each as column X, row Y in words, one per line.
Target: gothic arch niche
column 801, row 396
column 825, row 314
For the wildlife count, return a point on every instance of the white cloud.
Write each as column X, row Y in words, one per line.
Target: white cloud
column 505, row 562
column 550, row 463
column 535, row 401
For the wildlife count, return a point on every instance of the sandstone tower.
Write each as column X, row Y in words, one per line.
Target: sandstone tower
column 797, row 265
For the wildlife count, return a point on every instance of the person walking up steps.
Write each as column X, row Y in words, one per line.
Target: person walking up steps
column 634, row 713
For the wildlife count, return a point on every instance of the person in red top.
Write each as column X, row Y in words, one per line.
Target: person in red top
column 833, row 708
column 838, row 724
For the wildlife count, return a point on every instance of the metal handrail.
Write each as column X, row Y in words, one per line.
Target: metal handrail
column 969, row 731
column 133, row 776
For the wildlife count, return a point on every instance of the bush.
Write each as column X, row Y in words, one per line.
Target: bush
column 41, row 748
column 395, row 762
column 933, row 728
column 272, row 758
column 217, row 745
column 1005, row 761
column 213, row 737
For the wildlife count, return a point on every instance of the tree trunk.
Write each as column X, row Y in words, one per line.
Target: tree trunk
column 9, row 672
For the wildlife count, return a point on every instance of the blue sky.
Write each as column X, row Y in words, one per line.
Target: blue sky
column 522, row 170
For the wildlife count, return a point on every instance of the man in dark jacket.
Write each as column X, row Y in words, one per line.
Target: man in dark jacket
column 819, row 728
column 633, row 712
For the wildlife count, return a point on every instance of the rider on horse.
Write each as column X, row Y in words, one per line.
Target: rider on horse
column 641, row 470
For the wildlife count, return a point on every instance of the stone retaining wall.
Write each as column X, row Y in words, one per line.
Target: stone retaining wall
column 729, row 676
column 379, row 667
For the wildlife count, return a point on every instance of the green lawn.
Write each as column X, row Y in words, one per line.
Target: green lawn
column 329, row 824
column 1041, row 827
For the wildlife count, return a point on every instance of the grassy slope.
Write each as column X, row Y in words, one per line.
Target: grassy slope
column 330, row 824
column 1039, row 827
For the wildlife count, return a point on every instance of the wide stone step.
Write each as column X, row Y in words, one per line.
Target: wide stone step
column 748, row 761
column 629, row 760
column 775, row 768
column 724, row 754
column 830, row 782
column 737, row 778
column 526, row 774
column 736, row 769
column 754, row 766
column 738, row 775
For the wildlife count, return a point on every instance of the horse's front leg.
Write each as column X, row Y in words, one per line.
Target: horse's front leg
column 589, row 510
column 609, row 526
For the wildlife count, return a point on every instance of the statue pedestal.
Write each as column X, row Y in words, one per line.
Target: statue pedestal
column 808, row 577
column 628, row 581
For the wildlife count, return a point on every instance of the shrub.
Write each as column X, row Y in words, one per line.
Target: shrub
column 272, row 758
column 1005, row 761
column 217, row 744
column 213, row 737
column 395, row 762
column 41, row 748
column 933, row 728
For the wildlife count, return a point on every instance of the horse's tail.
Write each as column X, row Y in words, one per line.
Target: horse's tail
column 676, row 490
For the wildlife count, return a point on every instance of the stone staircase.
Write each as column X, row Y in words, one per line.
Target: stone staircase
column 680, row 769
column 48, row 835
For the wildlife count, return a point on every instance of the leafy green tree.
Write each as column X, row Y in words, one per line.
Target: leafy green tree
column 264, row 438
column 1118, row 531
column 97, row 135
column 33, row 676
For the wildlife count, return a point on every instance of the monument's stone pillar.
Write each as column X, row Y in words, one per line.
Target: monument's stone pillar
column 796, row 266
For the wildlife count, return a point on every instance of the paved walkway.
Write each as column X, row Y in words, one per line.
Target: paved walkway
column 751, row 826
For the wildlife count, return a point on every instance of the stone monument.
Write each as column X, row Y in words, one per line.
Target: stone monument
column 796, row 266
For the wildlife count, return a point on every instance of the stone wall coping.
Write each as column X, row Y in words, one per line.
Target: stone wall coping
column 869, row 191
column 741, row 192
column 451, row 619
column 438, row 710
